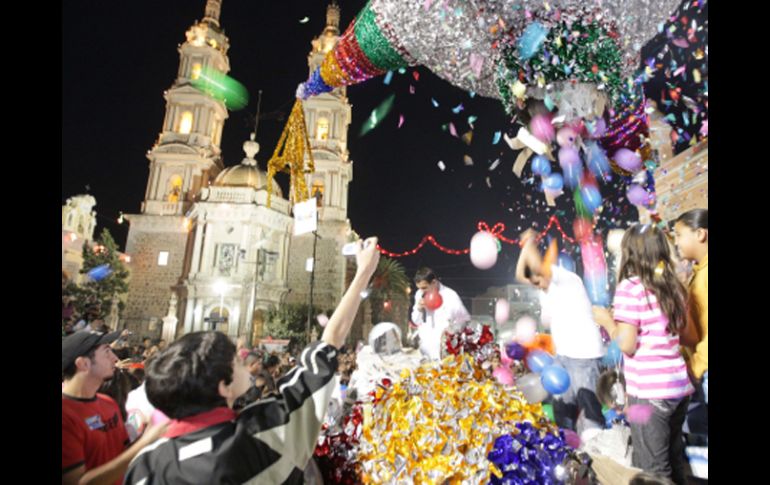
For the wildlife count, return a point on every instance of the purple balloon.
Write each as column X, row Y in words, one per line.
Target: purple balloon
column 637, row 195
column 566, row 136
column 568, row 156
column 597, row 128
column 628, row 160
column 515, row 351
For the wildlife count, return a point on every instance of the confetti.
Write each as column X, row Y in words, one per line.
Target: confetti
column 416, row 75
column 468, row 161
column 388, row 77
column 435, row 103
column 467, row 137
column 489, row 183
column 496, row 139
column 400, row 120
column 457, row 109
column 411, row 89
column 494, row 165
column 452, row 130
column 304, row 20
column 441, row 165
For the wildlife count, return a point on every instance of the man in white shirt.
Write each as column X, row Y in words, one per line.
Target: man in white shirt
column 565, row 305
column 433, row 323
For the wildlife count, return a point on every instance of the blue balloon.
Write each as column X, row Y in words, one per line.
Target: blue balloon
column 515, row 351
column 566, row 262
column 592, row 198
column 555, row 379
column 553, row 182
column 100, row 272
column 596, row 286
column 538, row 360
column 598, row 163
column 530, row 41
column 613, row 356
column 541, row 166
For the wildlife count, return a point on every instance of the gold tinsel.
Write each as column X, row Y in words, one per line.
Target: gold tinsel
column 438, row 424
column 289, row 155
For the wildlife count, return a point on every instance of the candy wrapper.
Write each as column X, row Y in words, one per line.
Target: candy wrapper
column 336, row 451
column 475, row 340
column 439, row 423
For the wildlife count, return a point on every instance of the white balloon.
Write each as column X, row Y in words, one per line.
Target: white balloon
column 502, row 311
column 526, row 328
column 483, row 250
column 322, row 319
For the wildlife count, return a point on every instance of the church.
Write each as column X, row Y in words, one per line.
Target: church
column 207, row 251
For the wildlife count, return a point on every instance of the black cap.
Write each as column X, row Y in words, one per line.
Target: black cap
column 81, row 343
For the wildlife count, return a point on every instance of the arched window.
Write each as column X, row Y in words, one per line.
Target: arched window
column 322, row 129
column 195, row 72
column 174, row 188
column 185, row 123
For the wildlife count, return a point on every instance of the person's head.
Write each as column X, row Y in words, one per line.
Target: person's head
column 162, row 345
column 194, row 374
column 691, row 231
column 272, row 364
column 146, row 342
column 426, row 279
column 88, row 354
column 646, row 255
column 254, row 363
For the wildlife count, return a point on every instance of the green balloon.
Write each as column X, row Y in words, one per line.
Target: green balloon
column 548, row 411
column 222, row 88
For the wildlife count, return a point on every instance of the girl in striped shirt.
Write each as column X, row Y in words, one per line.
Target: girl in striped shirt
column 648, row 315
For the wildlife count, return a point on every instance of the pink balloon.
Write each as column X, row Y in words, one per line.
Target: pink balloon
column 628, row 160
column 568, row 156
column 503, row 375
column 158, row 417
column 504, row 359
column 566, row 137
column 572, row 438
column 526, row 328
column 483, row 250
column 639, row 413
column 502, row 311
column 541, row 128
column 637, row 195
column 322, row 319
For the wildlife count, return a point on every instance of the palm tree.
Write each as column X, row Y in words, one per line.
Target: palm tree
column 389, row 280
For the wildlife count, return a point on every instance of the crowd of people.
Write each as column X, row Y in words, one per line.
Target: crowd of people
column 203, row 409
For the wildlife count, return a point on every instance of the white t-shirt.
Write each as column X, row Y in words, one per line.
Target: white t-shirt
column 431, row 329
column 566, row 305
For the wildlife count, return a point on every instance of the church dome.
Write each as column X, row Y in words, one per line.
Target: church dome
column 247, row 174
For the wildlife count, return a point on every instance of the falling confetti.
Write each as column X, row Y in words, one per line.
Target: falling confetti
column 304, row 20
column 489, row 183
column 494, row 165
column 435, row 103
column 388, row 77
column 441, row 165
column 416, row 75
column 400, row 120
column 457, row 109
column 467, row 137
column 468, row 161
column 452, row 130
column 411, row 89
column 496, row 139
column 378, row 114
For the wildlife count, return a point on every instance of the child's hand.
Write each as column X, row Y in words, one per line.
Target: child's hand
column 603, row 316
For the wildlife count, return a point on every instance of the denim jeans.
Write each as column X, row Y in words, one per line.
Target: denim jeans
column 658, row 444
column 581, row 395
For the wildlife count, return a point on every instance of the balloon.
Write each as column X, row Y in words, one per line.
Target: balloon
column 553, row 182
column 322, row 319
column 515, row 351
column 555, row 379
column 569, row 160
column 530, row 41
column 582, row 228
column 543, row 342
column 502, row 311
column 597, row 127
column 592, row 198
column 637, row 195
column 223, row 88
column 566, row 262
column 483, row 250
column 541, row 166
column 433, row 300
column 597, row 160
column 613, row 356
column 566, row 137
column 531, row 387
column 614, row 240
column 100, row 272
column 548, row 411
column 628, row 160
column 158, row 417
column 572, row 438
column 538, row 360
column 541, row 128
column 503, row 375
column 595, row 270
column 525, row 330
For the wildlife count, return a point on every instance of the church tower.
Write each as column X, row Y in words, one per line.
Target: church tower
column 328, row 116
column 185, row 157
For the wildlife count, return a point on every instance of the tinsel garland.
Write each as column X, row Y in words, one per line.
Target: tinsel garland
column 289, row 155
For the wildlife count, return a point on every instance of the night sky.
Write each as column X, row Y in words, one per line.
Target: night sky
column 119, row 57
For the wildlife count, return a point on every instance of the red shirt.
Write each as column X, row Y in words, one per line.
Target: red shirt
column 93, row 432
